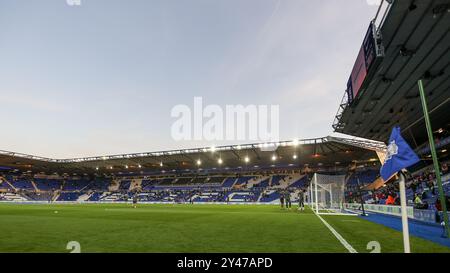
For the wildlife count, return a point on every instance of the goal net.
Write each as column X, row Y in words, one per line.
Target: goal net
column 327, row 194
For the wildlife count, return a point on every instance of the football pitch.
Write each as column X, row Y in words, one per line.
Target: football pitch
column 189, row 228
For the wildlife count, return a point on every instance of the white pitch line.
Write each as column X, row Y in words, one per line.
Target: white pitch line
column 338, row 236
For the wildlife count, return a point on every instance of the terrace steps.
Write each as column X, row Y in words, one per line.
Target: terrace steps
column 10, row 184
column 55, row 196
column 7, row 182
column 291, row 179
column 225, row 182
column 84, row 197
column 255, row 181
column 135, row 184
column 114, row 186
column 36, row 189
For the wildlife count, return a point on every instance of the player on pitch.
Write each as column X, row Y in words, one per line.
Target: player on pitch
column 301, row 200
column 135, row 199
column 287, row 198
column 281, row 193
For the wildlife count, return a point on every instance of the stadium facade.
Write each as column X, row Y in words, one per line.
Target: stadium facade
column 241, row 173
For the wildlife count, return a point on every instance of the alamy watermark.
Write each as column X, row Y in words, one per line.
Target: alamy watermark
column 374, row 247
column 374, row 2
column 231, row 123
column 73, row 2
column 74, row 246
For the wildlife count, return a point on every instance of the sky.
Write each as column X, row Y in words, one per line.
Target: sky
column 102, row 77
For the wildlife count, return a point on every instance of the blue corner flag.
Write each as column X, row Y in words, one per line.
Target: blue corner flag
column 399, row 155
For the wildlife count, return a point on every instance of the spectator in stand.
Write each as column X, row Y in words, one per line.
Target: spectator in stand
column 390, row 200
column 438, row 207
column 377, row 200
column 419, row 204
column 413, row 187
column 396, row 200
column 444, row 168
column 431, row 187
column 424, row 195
column 417, row 200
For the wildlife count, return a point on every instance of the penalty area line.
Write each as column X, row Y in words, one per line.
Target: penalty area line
column 337, row 235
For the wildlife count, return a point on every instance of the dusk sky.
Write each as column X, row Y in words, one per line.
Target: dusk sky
column 102, row 78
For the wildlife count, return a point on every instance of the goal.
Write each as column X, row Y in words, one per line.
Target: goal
column 327, row 194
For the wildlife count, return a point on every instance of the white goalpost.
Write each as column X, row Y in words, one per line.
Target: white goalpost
column 327, row 194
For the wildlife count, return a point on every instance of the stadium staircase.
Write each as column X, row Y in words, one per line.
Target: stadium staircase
column 10, row 184
column 229, row 182
column 125, row 185
column 135, row 184
column 270, row 196
column 242, row 181
column 84, row 197
column 36, row 189
column 288, row 181
column 276, row 179
column 301, row 182
column 5, row 184
column 256, row 181
column 114, row 186
column 56, row 195
column 194, row 197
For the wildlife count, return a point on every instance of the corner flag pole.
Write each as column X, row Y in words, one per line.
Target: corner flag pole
column 434, row 155
column 315, row 194
column 405, row 226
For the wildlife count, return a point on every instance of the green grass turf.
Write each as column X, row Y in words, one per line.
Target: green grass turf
column 187, row 228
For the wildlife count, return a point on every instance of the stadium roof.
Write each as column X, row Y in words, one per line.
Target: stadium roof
column 322, row 152
column 416, row 40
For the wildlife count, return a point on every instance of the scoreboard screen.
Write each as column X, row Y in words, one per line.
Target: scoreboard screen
column 365, row 58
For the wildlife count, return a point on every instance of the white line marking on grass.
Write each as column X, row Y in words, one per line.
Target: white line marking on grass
column 338, row 236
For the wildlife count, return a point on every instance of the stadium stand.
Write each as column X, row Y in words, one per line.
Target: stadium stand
column 300, row 183
column 5, row 185
column 95, row 196
column 38, row 196
column 242, row 180
column 229, row 182
column 75, row 184
column 21, row 184
column 215, row 180
column 47, row 184
column 166, row 181
column 98, row 184
column 147, row 184
column 258, row 187
column 269, row 196
column 184, row 180
column 276, row 179
column 68, row 196
column 125, row 185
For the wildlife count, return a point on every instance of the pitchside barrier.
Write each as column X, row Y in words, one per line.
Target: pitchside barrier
column 142, row 202
column 427, row 216
column 390, row 210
